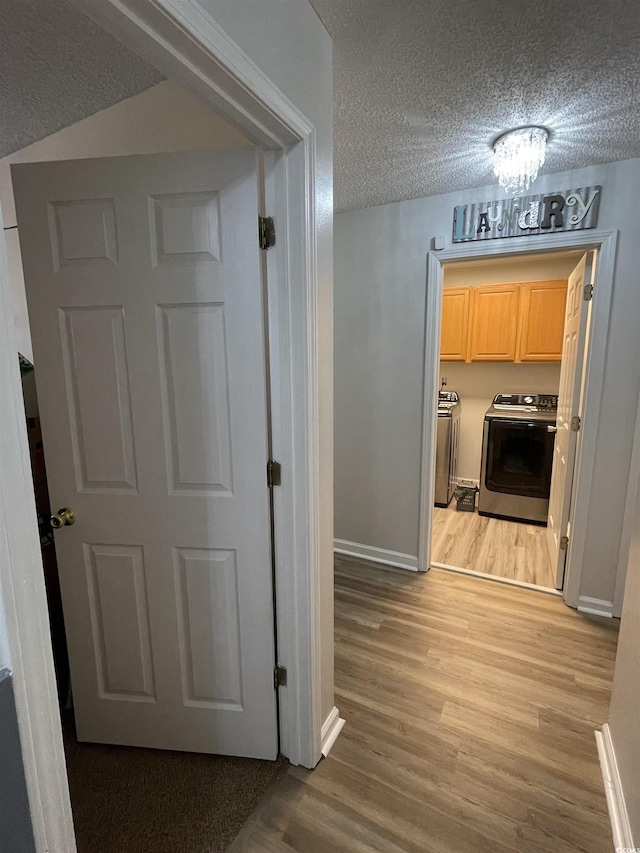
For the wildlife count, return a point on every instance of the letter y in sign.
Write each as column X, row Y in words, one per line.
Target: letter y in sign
column 583, row 206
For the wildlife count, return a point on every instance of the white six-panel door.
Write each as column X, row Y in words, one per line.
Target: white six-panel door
column 144, row 292
column 574, row 339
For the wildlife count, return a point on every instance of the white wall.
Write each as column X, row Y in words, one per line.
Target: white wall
column 380, row 273
column 267, row 30
column 165, row 118
column 499, row 270
column 624, row 713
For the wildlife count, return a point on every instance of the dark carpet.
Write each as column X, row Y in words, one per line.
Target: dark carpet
column 128, row 800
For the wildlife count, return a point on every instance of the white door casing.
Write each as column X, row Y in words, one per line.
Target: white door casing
column 566, row 439
column 144, row 290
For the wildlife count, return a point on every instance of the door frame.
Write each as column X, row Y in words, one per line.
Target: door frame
column 605, row 242
column 187, row 44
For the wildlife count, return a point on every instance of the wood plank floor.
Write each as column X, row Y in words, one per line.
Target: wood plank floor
column 508, row 549
column 470, row 709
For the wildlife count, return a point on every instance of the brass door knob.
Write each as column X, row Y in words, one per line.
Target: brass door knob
column 63, row 517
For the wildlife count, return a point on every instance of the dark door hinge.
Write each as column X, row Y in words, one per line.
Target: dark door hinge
column 279, row 676
column 564, row 543
column 588, row 292
column 266, row 232
column 576, row 423
column 274, row 473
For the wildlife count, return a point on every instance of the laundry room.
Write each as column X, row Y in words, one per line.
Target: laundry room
column 501, row 334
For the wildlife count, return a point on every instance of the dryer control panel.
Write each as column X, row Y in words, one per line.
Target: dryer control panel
column 548, row 402
column 534, row 402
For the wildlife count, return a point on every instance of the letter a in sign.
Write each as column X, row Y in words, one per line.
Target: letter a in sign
column 483, row 224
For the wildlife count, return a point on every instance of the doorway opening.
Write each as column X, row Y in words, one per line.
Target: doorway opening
column 502, row 368
column 592, row 290
column 45, row 531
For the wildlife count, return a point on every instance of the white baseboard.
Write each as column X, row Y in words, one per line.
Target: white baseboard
column 331, row 728
column 618, row 815
column 375, row 555
column 597, row 606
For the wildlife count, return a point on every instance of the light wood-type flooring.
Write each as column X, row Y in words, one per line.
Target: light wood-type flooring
column 470, row 711
column 508, row 549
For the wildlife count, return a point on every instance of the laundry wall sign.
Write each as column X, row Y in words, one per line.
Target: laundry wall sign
column 571, row 210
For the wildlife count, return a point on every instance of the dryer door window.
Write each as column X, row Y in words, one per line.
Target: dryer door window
column 519, row 458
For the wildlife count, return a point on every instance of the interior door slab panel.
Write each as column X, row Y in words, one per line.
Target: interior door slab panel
column 144, row 287
column 571, row 373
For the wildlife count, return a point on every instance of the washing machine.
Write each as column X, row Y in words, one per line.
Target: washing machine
column 517, row 457
column 447, row 441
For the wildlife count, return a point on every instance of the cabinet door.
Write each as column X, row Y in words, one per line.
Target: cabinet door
column 542, row 305
column 454, row 333
column 494, row 322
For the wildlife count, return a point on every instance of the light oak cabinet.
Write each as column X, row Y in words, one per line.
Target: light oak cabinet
column 494, row 322
column 515, row 322
column 542, row 316
column 454, row 333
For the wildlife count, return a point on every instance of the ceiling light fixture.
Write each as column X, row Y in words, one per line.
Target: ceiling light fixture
column 517, row 157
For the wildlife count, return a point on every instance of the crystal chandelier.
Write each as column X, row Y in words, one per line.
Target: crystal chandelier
column 517, row 157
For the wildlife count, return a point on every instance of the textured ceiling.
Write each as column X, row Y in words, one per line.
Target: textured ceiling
column 423, row 87
column 57, row 67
